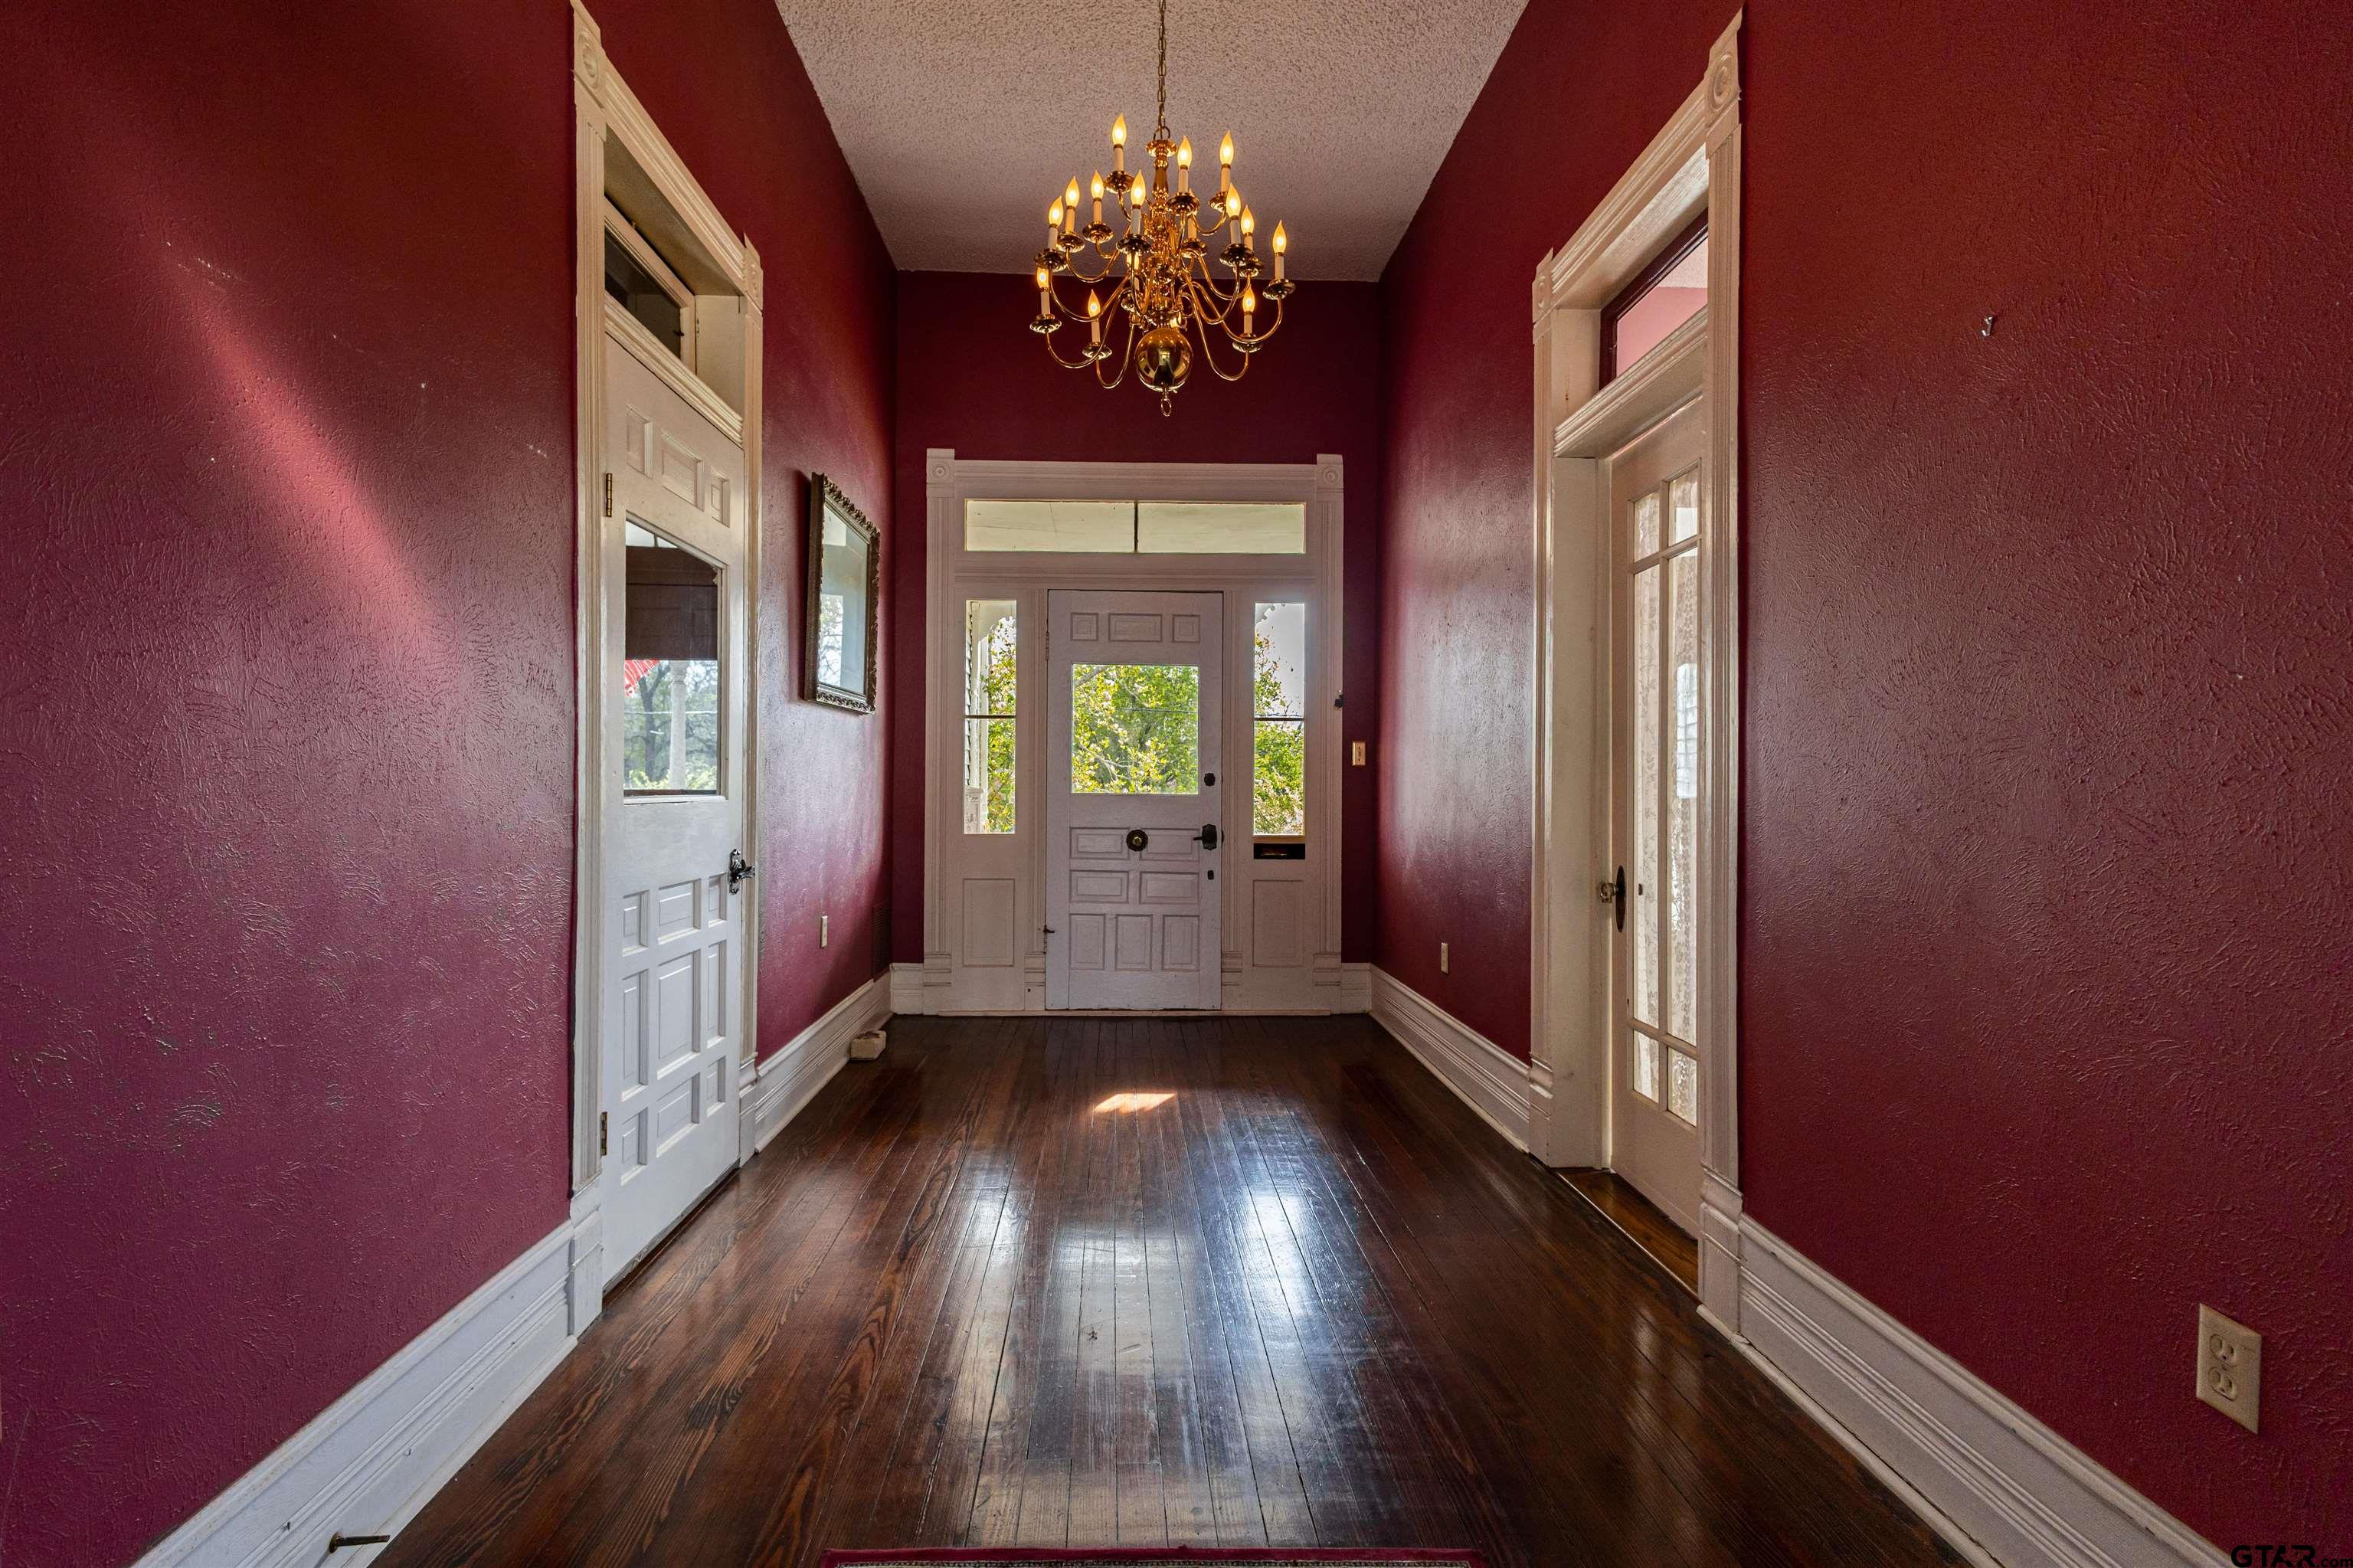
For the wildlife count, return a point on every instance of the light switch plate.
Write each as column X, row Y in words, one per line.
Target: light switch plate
column 1442, row 958
column 1356, row 754
column 823, row 922
column 2230, row 1367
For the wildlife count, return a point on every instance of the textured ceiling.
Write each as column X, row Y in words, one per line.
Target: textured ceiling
column 963, row 118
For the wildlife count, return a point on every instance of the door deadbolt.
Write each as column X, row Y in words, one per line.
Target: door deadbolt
column 1137, row 837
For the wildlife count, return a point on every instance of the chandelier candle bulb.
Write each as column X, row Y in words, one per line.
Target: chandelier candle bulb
column 1053, row 223
column 1225, row 161
column 1045, row 295
column 1118, row 143
column 1094, row 316
column 1281, row 243
column 1250, row 230
column 1070, row 208
column 1185, row 164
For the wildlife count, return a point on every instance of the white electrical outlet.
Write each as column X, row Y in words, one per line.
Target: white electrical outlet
column 1442, row 958
column 821, row 923
column 2230, row 1367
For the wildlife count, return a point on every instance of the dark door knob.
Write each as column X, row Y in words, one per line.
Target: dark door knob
column 1137, row 837
column 738, row 868
column 1208, row 837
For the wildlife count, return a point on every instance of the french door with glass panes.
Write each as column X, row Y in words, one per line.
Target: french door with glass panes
column 1655, row 759
column 1133, row 721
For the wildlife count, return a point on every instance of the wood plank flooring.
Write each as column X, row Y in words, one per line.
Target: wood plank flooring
column 1308, row 1297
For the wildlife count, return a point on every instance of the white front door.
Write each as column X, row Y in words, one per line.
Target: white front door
column 1656, row 1100
column 674, row 623
column 1131, row 816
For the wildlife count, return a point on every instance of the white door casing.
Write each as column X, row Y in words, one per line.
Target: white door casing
column 1657, row 727
column 1132, row 899
column 674, row 930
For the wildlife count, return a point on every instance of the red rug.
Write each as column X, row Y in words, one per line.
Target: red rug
column 1147, row 1556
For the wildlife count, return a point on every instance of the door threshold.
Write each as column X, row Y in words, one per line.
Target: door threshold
column 1639, row 1221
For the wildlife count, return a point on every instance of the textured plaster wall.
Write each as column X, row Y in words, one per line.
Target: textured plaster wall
column 2049, row 709
column 289, row 722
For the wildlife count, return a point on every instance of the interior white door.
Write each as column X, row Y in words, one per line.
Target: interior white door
column 675, row 618
column 1133, row 824
column 1656, row 1100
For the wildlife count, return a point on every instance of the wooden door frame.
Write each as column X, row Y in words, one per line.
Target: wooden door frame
column 604, row 111
column 954, row 574
column 1691, row 167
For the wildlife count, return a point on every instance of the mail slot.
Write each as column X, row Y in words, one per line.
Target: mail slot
column 1262, row 850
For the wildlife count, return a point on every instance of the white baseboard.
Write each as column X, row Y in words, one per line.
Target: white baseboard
column 1356, row 989
column 791, row 1078
column 2002, row 1487
column 907, row 990
column 1490, row 1079
column 368, row 1462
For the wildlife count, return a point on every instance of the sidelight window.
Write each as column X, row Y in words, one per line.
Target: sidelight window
column 1278, row 721
column 1662, row 787
column 991, row 662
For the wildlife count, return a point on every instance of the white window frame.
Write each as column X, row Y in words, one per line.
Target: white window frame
column 943, row 983
column 605, row 111
column 618, row 224
column 1691, row 165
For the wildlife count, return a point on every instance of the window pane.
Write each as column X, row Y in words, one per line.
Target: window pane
column 1643, row 791
column 991, row 666
column 670, row 669
column 1135, row 729
column 1084, row 527
column 1683, row 1086
column 1279, row 779
column 1646, row 522
column 1645, row 322
column 1682, row 801
column 640, row 292
column 1279, row 700
column 1684, row 502
column 1646, row 1066
column 988, row 775
column 1221, row 528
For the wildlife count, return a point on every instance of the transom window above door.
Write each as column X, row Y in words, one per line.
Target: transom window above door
column 1137, row 527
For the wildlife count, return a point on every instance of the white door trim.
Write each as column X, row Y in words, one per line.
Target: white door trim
column 606, row 113
column 1692, row 164
column 953, row 574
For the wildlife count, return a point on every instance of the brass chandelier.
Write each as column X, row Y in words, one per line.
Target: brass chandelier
column 1157, row 263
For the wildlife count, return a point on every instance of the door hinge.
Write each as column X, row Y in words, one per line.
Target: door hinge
column 608, row 496
column 603, row 1122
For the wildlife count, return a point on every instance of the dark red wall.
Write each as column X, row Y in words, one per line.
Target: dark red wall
column 2050, row 709
column 1573, row 99
column 288, row 727
column 971, row 378
column 2049, row 725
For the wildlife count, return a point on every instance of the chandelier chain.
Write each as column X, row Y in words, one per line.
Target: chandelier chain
column 1160, row 118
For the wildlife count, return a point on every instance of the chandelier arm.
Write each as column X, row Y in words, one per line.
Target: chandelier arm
column 1080, row 363
column 1123, row 357
column 1208, row 357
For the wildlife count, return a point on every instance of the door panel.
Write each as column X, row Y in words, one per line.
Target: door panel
column 1133, row 721
column 673, row 650
column 1656, row 721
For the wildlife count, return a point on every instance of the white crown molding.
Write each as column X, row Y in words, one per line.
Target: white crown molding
column 791, row 1078
column 1483, row 1075
column 367, row 1463
column 2002, row 1487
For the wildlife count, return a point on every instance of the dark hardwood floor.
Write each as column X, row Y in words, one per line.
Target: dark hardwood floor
column 1306, row 1297
column 1645, row 1224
